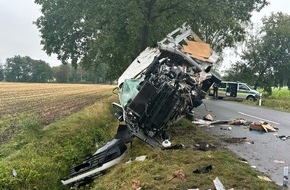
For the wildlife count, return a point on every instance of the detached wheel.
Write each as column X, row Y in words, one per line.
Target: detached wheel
column 251, row 98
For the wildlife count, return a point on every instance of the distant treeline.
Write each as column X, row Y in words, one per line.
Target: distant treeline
column 26, row 69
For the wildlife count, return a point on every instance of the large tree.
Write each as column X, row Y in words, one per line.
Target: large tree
column 25, row 69
column 266, row 59
column 276, row 43
column 40, row 71
column 113, row 32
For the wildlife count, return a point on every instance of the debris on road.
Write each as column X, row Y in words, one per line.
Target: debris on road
column 208, row 123
column 257, row 126
column 203, row 170
column 283, row 137
column 235, row 139
column 285, row 176
column 208, row 117
column 262, row 126
column 238, row 121
column 279, row 161
column 227, row 128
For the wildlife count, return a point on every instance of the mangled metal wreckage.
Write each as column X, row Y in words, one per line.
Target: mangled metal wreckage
column 162, row 85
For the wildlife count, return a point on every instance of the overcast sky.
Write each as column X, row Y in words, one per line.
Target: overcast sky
column 18, row 36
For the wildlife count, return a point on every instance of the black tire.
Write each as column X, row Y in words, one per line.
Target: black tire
column 251, row 98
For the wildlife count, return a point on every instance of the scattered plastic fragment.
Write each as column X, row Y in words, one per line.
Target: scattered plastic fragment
column 140, row 158
column 166, row 143
column 279, row 161
column 201, row 122
column 265, row 178
column 14, row 173
column 218, row 184
column 208, row 117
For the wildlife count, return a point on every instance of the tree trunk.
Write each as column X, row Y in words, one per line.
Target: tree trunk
column 148, row 19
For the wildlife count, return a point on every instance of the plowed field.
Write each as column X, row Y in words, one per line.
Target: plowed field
column 49, row 101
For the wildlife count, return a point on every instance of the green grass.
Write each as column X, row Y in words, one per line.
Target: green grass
column 279, row 100
column 161, row 165
column 43, row 155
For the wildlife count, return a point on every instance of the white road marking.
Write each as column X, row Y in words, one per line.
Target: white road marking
column 259, row 118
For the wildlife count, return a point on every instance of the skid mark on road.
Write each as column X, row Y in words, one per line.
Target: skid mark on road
column 259, row 118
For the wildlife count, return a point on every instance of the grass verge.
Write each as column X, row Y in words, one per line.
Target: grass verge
column 279, row 100
column 155, row 172
column 42, row 156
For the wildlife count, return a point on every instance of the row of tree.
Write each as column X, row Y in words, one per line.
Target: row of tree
column 26, row 69
column 266, row 57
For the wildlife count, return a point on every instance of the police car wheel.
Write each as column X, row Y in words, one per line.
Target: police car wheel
column 251, row 98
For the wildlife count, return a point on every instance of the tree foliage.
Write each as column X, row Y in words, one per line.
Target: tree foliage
column 25, row 69
column 113, row 32
column 266, row 60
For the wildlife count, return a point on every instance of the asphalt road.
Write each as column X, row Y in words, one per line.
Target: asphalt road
column 266, row 153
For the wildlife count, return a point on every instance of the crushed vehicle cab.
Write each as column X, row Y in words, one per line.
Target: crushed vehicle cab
column 238, row 90
column 161, row 85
